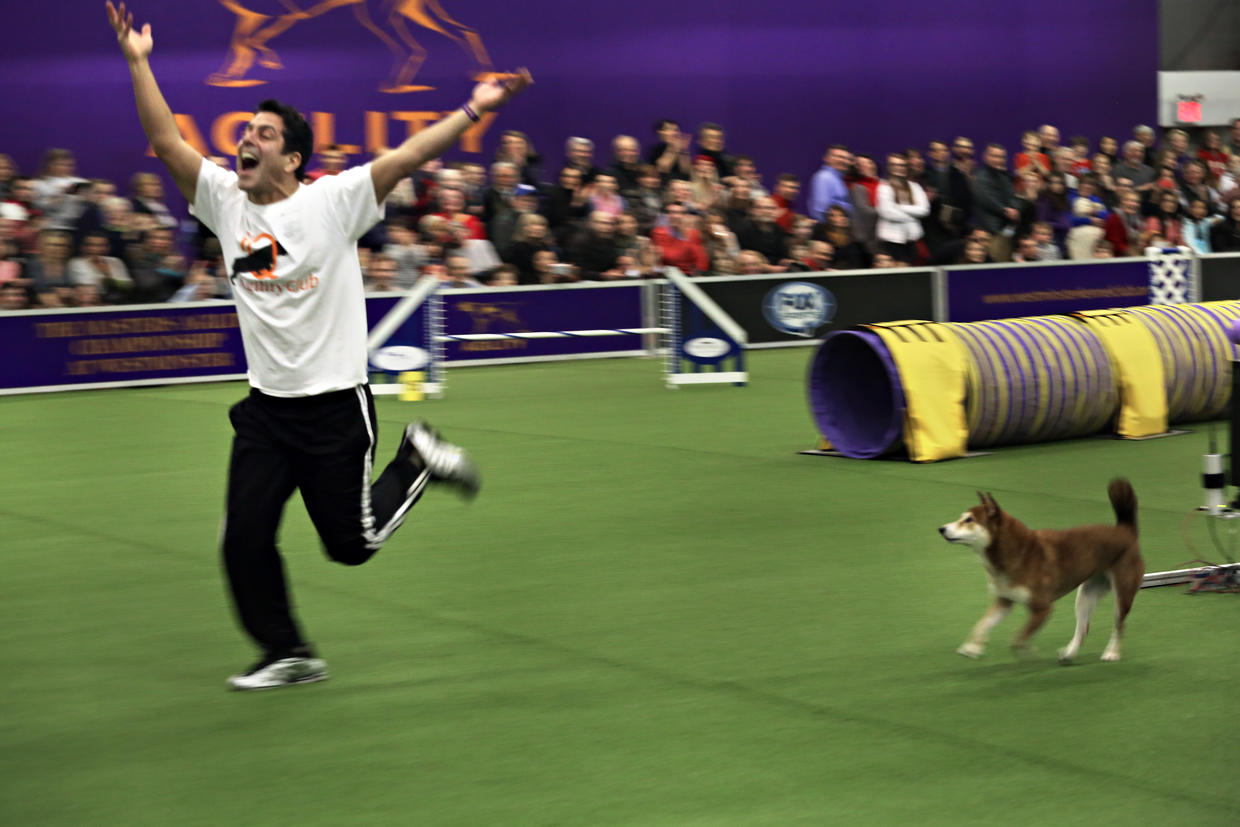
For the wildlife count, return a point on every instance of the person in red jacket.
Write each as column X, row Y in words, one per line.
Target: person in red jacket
column 1125, row 225
column 680, row 244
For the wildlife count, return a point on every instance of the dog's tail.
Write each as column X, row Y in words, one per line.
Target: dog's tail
column 1124, row 501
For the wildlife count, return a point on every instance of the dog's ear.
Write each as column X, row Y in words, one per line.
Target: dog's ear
column 992, row 507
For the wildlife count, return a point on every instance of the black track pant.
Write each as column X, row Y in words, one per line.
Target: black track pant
column 323, row 445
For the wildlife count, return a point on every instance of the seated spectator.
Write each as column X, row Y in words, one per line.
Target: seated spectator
column 579, row 154
column 1196, row 226
column 1064, row 162
column 515, row 148
column 457, row 272
column 605, row 197
column 380, row 275
column 1103, row 249
column 1044, row 236
column 743, row 169
column 710, row 141
column 1106, row 180
column 849, row 254
column 1031, row 155
column 737, row 203
column 1026, row 250
column 568, row 205
column 1177, row 146
column 54, row 189
column 646, row 201
column 884, row 261
column 200, row 285
column 95, row 267
column 1081, row 163
column 524, row 202
column 901, row 206
column 1213, row 156
column 760, row 232
column 1166, row 220
column 1195, row 188
column 451, row 209
column 681, row 192
column 752, row 263
column 680, row 243
column 1089, row 217
column 13, row 296
column 1055, row 208
column 822, row 257
column 626, row 163
column 1134, row 168
column 497, row 198
column 504, row 275
column 707, row 190
column 720, row 241
column 531, row 236
column 594, row 249
column 629, row 242
column 670, row 154
column 48, row 269
column 864, row 193
column 402, row 248
column 1109, row 146
column 1125, row 225
column 1049, row 136
column 551, row 271
column 155, row 267
column 332, row 161
column 86, row 295
column 787, row 188
column 146, row 193
column 1225, row 235
column 973, row 252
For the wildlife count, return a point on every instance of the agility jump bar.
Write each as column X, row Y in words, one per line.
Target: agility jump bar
column 550, row 334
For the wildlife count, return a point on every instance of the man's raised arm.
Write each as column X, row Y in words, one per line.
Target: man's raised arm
column 182, row 160
column 435, row 140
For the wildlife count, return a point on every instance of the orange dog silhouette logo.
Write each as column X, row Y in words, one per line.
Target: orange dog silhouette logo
column 390, row 23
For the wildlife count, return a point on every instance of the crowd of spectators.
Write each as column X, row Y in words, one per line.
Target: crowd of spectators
column 686, row 201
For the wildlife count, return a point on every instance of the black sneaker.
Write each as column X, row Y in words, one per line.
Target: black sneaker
column 447, row 463
column 270, row 673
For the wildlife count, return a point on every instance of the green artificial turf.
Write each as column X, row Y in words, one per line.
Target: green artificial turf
column 656, row 613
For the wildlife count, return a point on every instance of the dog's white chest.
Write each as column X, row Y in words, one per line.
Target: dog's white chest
column 1000, row 586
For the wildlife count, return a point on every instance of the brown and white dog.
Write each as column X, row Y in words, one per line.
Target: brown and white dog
column 1036, row 568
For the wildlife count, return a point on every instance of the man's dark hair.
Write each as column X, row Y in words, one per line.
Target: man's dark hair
column 298, row 137
column 662, row 122
column 788, row 176
column 709, row 125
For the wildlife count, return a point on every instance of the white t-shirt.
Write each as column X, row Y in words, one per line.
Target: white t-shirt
column 295, row 276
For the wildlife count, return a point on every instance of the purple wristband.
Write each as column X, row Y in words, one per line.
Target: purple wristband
column 470, row 113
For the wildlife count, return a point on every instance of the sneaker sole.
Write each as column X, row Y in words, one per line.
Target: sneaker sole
column 295, row 682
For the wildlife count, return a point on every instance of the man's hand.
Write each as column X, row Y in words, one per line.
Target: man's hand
column 492, row 94
column 135, row 46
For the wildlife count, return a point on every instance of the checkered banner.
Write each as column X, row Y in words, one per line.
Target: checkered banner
column 1171, row 270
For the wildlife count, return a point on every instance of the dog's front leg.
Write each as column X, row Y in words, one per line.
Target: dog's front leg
column 1038, row 613
column 975, row 646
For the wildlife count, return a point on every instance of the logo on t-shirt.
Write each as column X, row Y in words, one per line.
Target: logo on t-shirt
column 259, row 262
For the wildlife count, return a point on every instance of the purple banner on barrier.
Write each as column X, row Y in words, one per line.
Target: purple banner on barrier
column 589, row 307
column 978, row 293
column 129, row 344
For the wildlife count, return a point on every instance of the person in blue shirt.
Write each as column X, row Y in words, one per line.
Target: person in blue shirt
column 827, row 187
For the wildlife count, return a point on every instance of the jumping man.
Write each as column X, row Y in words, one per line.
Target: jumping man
column 309, row 420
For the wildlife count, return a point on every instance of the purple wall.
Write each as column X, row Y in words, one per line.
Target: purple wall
column 783, row 78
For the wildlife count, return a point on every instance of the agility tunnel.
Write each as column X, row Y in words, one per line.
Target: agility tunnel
column 937, row 390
